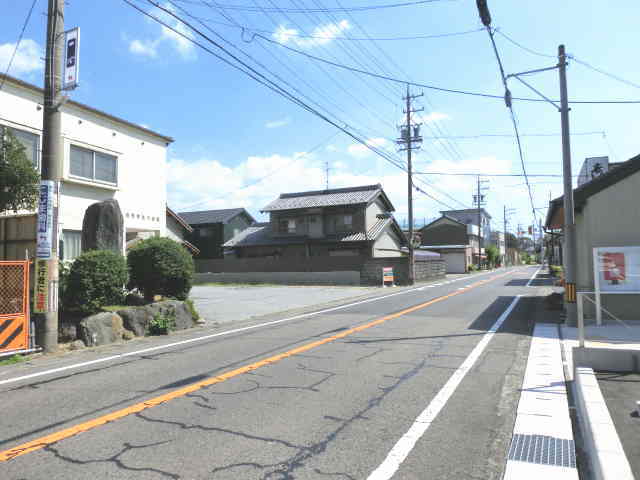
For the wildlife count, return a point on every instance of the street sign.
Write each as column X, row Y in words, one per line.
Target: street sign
column 387, row 276
column 45, row 220
column 71, row 59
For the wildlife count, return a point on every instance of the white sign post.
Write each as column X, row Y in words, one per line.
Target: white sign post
column 71, row 67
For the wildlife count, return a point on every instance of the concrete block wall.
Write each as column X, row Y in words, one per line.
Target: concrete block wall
column 371, row 272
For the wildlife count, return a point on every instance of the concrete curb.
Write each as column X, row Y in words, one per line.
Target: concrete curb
column 602, row 444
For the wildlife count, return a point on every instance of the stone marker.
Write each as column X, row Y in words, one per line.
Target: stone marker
column 102, row 227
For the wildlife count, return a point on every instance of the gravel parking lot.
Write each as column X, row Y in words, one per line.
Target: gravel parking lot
column 228, row 303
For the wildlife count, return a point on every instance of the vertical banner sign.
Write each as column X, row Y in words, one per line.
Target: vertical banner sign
column 71, row 59
column 45, row 220
column 41, row 292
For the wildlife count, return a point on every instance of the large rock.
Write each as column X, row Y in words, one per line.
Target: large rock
column 101, row 329
column 137, row 319
column 102, row 227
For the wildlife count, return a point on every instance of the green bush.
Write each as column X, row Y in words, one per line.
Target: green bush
column 162, row 323
column 96, row 279
column 161, row 266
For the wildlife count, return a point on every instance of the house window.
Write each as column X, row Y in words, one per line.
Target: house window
column 71, row 244
column 30, row 142
column 348, row 221
column 342, row 223
column 287, row 226
column 95, row 166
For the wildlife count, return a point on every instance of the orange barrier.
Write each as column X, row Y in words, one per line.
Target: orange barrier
column 14, row 306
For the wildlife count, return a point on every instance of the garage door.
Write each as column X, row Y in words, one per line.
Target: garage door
column 455, row 262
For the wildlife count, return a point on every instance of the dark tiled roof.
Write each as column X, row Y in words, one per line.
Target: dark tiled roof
column 213, row 216
column 327, row 198
column 581, row 194
column 258, row 234
column 452, row 213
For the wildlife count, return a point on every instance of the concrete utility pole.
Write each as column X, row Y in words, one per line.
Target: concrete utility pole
column 569, row 215
column 506, row 250
column 52, row 154
column 479, row 227
column 408, row 138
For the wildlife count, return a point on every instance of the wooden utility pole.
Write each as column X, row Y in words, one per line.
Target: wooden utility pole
column 52, row 154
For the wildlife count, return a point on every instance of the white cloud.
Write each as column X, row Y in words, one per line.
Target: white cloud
column 359, row 150
column 321, row 35
column 175, row 39
column 432, row 117
column 331, row 148
column 146, row 48
column 278, row 123
column 28, row 58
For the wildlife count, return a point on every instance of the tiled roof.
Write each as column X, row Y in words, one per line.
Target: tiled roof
column 212, row 216
column 326, row 198
column 258, row 234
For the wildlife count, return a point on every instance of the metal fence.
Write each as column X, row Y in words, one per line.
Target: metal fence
column 14, row 306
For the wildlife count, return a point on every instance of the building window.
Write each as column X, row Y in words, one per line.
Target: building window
column 348, row 221
column 287, row 226
column 94, row 166
column 342, row 223
column 71, row 244
column 30, row 142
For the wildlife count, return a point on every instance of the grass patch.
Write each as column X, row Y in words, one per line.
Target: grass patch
column 13, row 360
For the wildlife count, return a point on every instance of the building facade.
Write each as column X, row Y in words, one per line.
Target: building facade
column 212, row 228
column 104, row 157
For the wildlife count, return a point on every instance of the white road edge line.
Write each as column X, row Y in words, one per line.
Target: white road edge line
column 403, row 447
column 206, row 337
column 534, row 276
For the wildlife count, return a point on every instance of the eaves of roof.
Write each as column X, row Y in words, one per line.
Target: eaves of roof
column 87, row 108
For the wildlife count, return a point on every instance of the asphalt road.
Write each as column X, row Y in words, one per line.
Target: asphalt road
column 338, row 392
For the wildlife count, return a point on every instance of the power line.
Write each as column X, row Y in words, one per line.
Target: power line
column 270, row 174
column 572, row 57
column 602, row 72
column 458, row 174
column 247, row 8
column 511, row 135
column 425, row 85
column 254, row 74
column 15, row 50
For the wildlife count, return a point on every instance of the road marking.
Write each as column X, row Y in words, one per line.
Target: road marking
column 403, row 447
column 42, row 442
column 207, row 337
column 534, row 276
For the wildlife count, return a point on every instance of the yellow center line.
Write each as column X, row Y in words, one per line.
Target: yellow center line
column 181, row 392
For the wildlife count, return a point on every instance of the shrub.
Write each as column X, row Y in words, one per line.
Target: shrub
column 162, row 323
column 192, row 309
column 96, row 279
column 160, row 266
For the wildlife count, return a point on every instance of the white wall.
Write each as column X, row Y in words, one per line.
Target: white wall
column 372, row 210
column 387, row 245
column 141, row 164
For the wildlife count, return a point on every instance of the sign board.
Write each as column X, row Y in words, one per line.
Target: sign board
column 387, row 275
column 617, row 269
column 41, row 290
column 71, row 59
column 45, row 220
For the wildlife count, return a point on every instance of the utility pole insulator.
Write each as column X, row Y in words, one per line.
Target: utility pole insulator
column 483, row 10
column 507, row 98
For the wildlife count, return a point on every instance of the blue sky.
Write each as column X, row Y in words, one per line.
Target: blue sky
column 240, row 144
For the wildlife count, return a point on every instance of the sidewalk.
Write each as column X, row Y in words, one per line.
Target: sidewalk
column 542, row 444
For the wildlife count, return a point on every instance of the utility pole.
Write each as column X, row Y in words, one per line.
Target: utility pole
column 52, row 153
column 410, row 134
column 569, row 215
column 506, row 249
column 479, row 227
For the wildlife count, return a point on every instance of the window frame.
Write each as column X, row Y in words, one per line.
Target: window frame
column 93, row 166
column 4, row 128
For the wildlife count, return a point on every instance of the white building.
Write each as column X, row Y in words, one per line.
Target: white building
column 104, row 157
